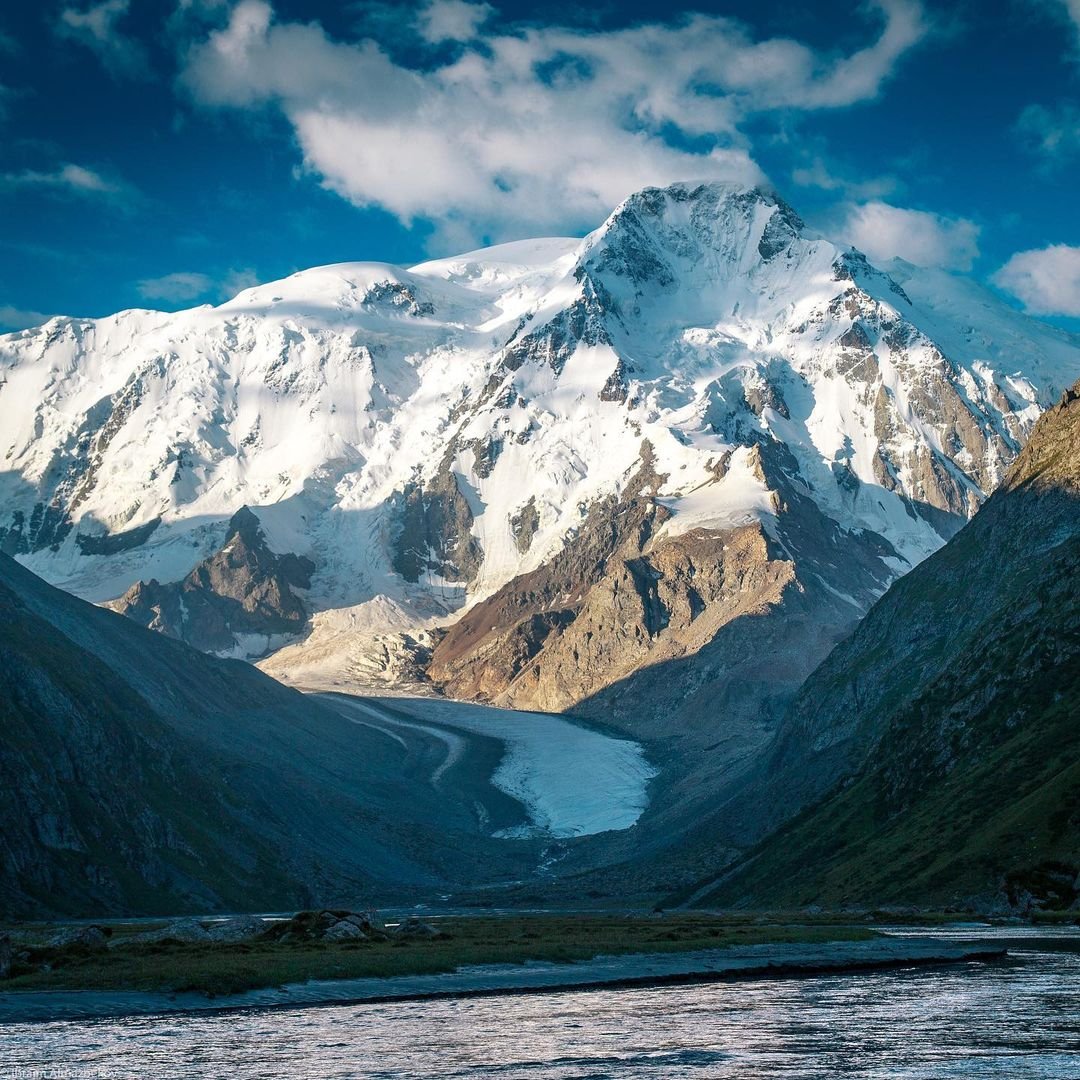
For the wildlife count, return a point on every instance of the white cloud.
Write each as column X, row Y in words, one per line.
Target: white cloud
column 69, row 179
column 1047, row 281
column 16, row 318
column 186, row 285
column 176, row 287
column 818, row 174
column 1052, row 132
column 452, row 20
column 546, row 128
column 95, row 27
column 885, row 232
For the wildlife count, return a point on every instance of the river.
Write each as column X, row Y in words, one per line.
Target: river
column 1009, row 1020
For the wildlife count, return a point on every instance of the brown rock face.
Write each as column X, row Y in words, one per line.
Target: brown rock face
column 501, row 648
column 655, row 603
column 627, row 595
column 245, row 588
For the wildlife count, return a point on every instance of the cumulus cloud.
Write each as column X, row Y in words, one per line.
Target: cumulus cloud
column 452, row 20
column 543, row 128
column 96, row 28
column 186, row 285
column 1046, row 281
column 885, row 232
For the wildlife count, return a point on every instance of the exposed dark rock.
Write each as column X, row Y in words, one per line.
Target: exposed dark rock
column 398, row 295
column 434, row 529
column 485, row 454
column 48, row 528
column 244, row 588
column 524, row 525
column 783, row 227
column 584, row 322
column 617, row 386
column 853, row 266
column 114, row 543
column 762, row 394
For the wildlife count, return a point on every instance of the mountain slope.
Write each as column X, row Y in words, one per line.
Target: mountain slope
column 651, row 476
column 240, row 598
column 430, row 434
column 137, row 775
column 946, row 728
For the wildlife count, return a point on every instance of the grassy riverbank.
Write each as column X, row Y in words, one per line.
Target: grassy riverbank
column 220, row 968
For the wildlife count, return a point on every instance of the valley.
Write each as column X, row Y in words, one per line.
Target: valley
column 571, row 780
column 540, row 541
column 565, row 541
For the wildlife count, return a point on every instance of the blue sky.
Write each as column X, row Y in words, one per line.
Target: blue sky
column 169, row 152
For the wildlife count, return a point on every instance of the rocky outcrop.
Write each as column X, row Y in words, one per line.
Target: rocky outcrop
column 327, row 925
column 628, row 592
column 245, row 591
column 501, row 638
column 433, row 529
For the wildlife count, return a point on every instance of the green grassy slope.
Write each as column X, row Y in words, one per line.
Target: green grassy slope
column 938, row 749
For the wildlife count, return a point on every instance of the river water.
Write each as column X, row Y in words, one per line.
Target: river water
column 1010, row 1020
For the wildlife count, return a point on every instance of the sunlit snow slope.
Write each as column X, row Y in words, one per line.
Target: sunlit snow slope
column 425, row 436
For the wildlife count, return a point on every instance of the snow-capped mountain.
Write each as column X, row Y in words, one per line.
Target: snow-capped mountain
column 702, row 396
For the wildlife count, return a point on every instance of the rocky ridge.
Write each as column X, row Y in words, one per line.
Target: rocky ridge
column 242, row 595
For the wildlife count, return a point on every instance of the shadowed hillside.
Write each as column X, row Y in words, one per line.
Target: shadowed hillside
column 947, row 728
column 139, row 776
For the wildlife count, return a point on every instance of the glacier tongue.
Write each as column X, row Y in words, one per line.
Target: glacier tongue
column 428, row 435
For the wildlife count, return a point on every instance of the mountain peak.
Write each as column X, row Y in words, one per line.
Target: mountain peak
column 656, row 230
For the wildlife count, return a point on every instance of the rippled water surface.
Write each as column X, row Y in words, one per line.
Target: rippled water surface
column 1009, row 1020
